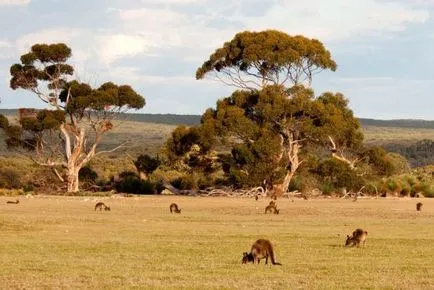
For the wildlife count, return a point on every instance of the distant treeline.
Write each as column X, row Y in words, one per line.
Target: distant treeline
column 172, row 119
column 418, row 154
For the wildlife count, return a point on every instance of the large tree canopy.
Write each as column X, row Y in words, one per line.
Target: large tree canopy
column 80, row 113
column 270, row 57
column 275, row 115
column 266, row 130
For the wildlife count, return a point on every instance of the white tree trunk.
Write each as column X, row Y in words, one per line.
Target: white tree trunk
column 72, row 182
column 291, row 147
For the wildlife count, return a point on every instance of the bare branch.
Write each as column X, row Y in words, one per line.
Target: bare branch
column 112, row 150
column 58, row 175
column 50, row 163
column 341, row 157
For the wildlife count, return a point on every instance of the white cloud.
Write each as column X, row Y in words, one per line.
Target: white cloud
column 5, row 43
column 14, row 2
column 337, row 19
column 115, row 46
column 170, row 1
column 132, row 75
column 165, row 29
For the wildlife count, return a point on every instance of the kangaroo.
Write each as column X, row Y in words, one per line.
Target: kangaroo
column 256, row 197
column 359, row 236
column 271, row 208
column 260, row 249
column 101, row 205
column 174, row 208
column 419, row 206
column 13, row 202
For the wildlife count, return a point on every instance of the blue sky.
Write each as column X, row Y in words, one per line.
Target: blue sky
column 384, row 49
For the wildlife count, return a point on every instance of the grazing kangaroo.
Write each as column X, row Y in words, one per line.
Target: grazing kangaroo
column 419, row 206
column 359, row 236
column 174, row 208
column 271, row 208
column 101, row 205
column 13, row 202
column 260, row 249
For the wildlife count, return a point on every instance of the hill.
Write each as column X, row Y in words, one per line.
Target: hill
column 172, row 119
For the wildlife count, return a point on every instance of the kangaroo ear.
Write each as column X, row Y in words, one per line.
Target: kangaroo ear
column 244, row 254
column 348, row 236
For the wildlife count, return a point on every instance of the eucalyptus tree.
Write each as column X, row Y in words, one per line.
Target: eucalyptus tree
column 275, row 113
column 67, row 134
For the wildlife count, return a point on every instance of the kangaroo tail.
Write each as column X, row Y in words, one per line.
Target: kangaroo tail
column 273, row 261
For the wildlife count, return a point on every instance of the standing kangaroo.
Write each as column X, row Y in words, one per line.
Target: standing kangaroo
column 13, row 202
column 260, row 249
column 359, row 236
column 419, row 206
column 101, row 205
column 174, row 208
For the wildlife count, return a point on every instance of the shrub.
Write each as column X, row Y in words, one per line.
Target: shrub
column 87, row 174
column 10, row 178
column 392, row 185
column 327, row 188
column 185, row 182
column 28, row 187
column 132, row 184
column 205, row 182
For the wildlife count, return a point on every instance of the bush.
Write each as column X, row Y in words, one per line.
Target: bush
column 28, row 187
column 87, row 174
column 10, row 178
column 132, row 184
column 205, row 182
column 327, row 188
column 392, row 185
column 185, row 182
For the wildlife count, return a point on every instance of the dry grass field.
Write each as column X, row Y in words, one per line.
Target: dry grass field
column 61, row 242
column 384, row 135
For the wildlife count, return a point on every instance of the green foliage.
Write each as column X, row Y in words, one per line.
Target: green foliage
column 270, row 56
column 420, row 153
column 253, row 123
column 185, row 182
column 380, row 162
column 146, row 163
column 53, row 69
column 87, row 174
column 419, row 180
column 44, row 72
column 182, row 140
column 83, row 97
column 131, row 183
column 189, row 150
column 304, row 182
column 337, row 174
column 9, row 178
column 28, row 187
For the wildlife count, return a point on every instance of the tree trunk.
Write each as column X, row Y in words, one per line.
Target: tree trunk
column 291, row 147
column 73, row 179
